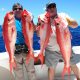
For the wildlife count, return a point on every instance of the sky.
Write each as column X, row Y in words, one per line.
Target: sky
column 37, row 7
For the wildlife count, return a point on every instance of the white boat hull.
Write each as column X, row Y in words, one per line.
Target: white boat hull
column 41, row 72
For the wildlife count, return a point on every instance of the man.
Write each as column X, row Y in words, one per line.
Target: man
column 21, row 48
column 52, row 51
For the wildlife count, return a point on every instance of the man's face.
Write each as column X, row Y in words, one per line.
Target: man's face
column 17, row 11
column 52, row 12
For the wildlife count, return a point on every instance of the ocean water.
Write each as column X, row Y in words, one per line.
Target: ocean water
column 2, row 45
column 75, row 32
column 36, row 40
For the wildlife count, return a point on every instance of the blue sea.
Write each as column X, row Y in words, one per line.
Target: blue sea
column 36, row 41
column 74, row 32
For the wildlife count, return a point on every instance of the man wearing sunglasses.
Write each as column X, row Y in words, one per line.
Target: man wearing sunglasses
column 52, row 51
column 21, row 48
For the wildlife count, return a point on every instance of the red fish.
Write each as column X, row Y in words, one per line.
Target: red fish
column 45, row 32
column 27, row 28
column 64, row 41
column 9, row 35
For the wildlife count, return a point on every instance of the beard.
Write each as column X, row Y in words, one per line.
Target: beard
column 54, row 16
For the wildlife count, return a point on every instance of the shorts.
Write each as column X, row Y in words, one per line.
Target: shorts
column 52, row 58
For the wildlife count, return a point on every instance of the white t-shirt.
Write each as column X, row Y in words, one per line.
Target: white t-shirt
column 53, row 45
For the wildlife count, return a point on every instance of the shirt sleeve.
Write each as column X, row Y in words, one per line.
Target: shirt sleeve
column 69, row 21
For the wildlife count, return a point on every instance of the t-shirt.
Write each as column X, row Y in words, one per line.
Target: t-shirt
column 19, row 37
column 18, row 24
column 53, row 45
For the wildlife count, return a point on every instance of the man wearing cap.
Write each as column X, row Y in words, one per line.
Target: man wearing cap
column 21, row 48
column 52, row 51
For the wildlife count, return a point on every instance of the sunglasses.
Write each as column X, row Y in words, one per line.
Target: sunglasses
column 17, row 9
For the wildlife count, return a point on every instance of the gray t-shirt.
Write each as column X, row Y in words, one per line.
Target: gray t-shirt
column 53, row 45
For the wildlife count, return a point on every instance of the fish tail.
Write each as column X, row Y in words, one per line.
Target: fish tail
column 63, row 73
column 29, row 56
column 41, row 58
column 69, row 72
column 66, row 69
column 10, row 67
column 27, row 59
column 12, row 78
column 35, row 59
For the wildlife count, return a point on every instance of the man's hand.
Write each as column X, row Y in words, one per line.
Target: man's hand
column 72, row 23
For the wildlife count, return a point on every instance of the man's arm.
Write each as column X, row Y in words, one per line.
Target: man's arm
column 71, row 22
